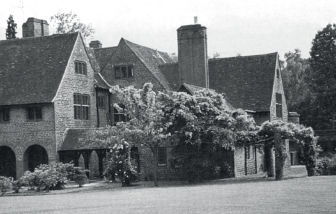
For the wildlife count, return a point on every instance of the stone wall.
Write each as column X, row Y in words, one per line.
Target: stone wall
column 64, row 99
column 20, row 133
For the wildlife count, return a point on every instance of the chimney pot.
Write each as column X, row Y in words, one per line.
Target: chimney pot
column 195, row 20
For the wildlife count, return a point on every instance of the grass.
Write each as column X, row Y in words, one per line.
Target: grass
column 300, row 195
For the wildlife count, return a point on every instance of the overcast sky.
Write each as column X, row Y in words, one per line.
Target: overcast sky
column 245, row 27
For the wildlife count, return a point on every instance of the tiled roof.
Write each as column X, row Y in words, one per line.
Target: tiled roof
column 93, row 59
column 31, row 69
column 247, row 81
column 152, row 59
column 98, row 78
column 73, row 140
column 103, row 55
column 171, row 72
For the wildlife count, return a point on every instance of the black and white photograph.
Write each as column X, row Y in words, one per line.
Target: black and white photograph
column 173, row 107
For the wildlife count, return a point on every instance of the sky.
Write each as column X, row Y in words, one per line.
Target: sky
column 234, row 27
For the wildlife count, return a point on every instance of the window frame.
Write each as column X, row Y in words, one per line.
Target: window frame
column 4, row 114
column 81, row 103
column 122, row 117
column 33, row 110
column 278, row 103
column 80, row 67
column 162, row 151
column 101, row 102
column 123, row 71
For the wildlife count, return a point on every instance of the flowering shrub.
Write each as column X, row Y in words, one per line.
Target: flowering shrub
column 51, row 176
column 120, row 165
column 5, row 184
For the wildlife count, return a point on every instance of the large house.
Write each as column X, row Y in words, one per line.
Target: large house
column 53, row 90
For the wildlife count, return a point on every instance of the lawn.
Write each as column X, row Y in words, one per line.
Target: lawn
column 300, row 195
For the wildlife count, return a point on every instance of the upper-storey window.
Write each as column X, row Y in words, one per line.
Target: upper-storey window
column 278, row 73
column 81, row 106
column 278, row 105
column 123, row 71
column 4, row 114
column 80, row 68
column 34, row 113
column 119, row 115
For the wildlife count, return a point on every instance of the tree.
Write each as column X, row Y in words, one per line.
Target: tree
column 11, row 26
column 70, row 23
column 323, row 76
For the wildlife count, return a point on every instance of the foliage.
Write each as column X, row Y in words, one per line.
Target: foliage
column 322, row 78
column 11, row 28
column 51, row 176
column 204, row 126
column 326, row 164
column 303, row 136
column 120, row 165
column 295, row 82
column 5, row 184
column 70, row 23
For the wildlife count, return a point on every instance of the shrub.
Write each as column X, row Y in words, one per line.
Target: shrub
column 326, row 164
column 5, row 184
column 51, row 176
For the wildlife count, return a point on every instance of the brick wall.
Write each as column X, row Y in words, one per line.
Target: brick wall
column 20, row 133
column 70, row 84
column 192, row 55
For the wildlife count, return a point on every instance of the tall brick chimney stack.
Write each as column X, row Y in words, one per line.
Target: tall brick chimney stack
column 35, row 27
column 193, row 55
column 95, row 44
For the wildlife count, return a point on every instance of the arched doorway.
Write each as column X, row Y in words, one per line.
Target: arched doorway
column 7, row 162
column 34, row 156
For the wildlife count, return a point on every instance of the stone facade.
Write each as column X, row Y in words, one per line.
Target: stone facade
column 64, row 100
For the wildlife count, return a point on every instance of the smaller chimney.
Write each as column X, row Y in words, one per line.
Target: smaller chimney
column 95, row 44
column 195, row 20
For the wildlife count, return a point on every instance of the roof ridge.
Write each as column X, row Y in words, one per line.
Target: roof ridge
column 38, row 37
column 213, row 59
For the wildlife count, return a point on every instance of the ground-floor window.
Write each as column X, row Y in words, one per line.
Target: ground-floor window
column 162, row 156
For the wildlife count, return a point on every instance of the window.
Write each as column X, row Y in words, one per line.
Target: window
column 4, row 114
column 34, row 113
column 278, row 105
column 101, row 102
column 119, row 116
column 80, row 68
column 162, row 156
column 278, row 73
column 81, row 106
column 123, row 71
column 248, row 152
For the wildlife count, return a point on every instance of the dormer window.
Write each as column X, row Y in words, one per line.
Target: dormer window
column 278, row 105
column 80, row 68
column 123, row 71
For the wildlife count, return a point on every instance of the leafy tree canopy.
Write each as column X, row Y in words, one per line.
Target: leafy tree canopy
column 323, row 76
column 70, row 23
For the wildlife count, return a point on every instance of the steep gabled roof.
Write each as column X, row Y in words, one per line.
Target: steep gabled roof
column 247, row 81
column 103, row 55
column 152, row 59
column 171, row 72
column 99, row 81
column 31, row 69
